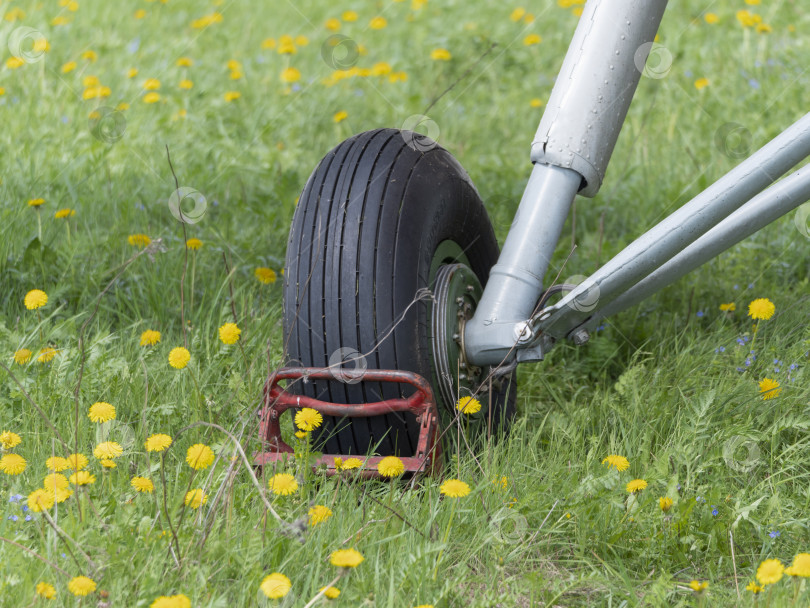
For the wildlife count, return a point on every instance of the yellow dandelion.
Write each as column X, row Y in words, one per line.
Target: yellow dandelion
column 132, row 72
column 620, row 463
column 9, row 440
column 265, row 275
column 150, row 337
column 142, row 484
column 346, row 558
column 665, row 502
column 761, row 309
column 330, row 592
column 77, row 462
column 12, row 63
column 468, row 405
column 108, row 450
column 195, row 498
column 800, row 566
column 282, row 484
column 378, row 23
column 349, row 16
column 184, row 62
column 22, row 356
column 108, row 463
column 36, row 202
column 229, row 333
column 36, row 298
column 61, row 494
column 171, row 601
column 232, row 96
column 636, row 485
column 532, row 39
column 289, row 75
column 82, row 478
column 40, row 500
column 701, row 83
column 454, row 488
column 199, row 456
column 697, row 586
column 185, row 84
column 319, row 514
column 179, row 357
column 753, row 587
column 81, row 586
column 151, row 97
column 332, row 25
column 770, row 571
column 157, row 442
column 140, row 14
column 68, row 67
column 64, row 213
column 340, row 116
column 440, row 55
column 46, row 590
column 55, row 481
column 194, row 244
column 57, row 463
column 390, row 466
column 517, row 14
column 138, row 240
column 730, row 307
column 12, row 464
column 101, row 412
column 46, row 354
column 308, row 419
column 348, row 464
column 769, row 388
column 275, row 585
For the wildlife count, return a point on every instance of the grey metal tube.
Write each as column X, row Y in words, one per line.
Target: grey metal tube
column 770, row 205
column 516, row 281
column 683, row 227
column 597, row 81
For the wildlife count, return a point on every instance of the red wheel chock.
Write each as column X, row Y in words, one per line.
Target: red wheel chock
column 421, row 404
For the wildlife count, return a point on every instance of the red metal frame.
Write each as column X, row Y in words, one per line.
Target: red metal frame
column 421, row 404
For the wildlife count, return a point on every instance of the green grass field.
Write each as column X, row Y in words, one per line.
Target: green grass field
column 94, row 92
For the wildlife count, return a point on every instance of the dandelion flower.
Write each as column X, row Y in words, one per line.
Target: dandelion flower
column 138, row 240
column 142, row 484
column 290, row 75
column 265, row 275
column 454, row 488
column 770, row 571
column 22, row 356
column 301, row 434
column 60, row 494
column 12, row 464
column 108, row 450
column 179, row 357
column 636, row 485
column 620, row 463
column 698, row 586
column 665, row 502
column 36, row 298
column 108, row 463
column 77, row 461
column 46, row 354
column 319, row 514
column 701, row 83
column 157, row 442
column 276, row 585
column 391, row 466
column 8, row 440
column 55, row 481
column 711, row 18
column 81, row 586
column 753, row 587
column 229, row 333
column 199, row 456
column 36, row 202
column 40, row 500
column 761, row 308
column 730, row 307
column 800, row 566
column 150, row 337
column 196, row 498
column 348, row 464
column 101, row 412
column 346, row 558
column 769, row 388
column 532, row 39
column 308, row 419
column 282, row 484
column 468, row 405
column 82, row 478
column 232, row 95
column 349, row 16
column 378, row 23
column 64, row 213
column 171, row 601
column 194, row 244
column 57, row 463
column 151, row 97
column 440, row 55
column 340, row 116
column 330, row 592
column 184, row 62
column 46, row 590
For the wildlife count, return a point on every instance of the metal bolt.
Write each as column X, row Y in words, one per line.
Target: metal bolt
column 522, row 331
column 580, row 337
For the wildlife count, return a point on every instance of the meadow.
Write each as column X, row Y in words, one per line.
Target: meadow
column 665, row 463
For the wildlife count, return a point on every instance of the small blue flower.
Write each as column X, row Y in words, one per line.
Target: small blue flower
column 25, row 508
column 793, row 366
column 736, row 287
column 13, row 518
column 700, row 313
column 29, row 517
column 774, row 533
column 714, row 511
column 600, row 327
column 15, row 498
column 720, row 349
column 753, row 83
column 750, row 286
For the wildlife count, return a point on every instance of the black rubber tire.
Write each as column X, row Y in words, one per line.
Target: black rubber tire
column 362, row 240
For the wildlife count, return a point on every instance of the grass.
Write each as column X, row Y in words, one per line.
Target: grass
column 669, row 384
